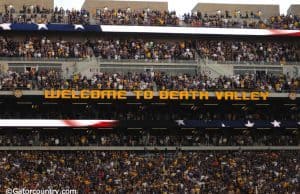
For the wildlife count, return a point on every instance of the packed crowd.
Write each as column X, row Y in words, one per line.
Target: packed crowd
column 135, row 17
column 152, row 172
column 36, row 14
column 240, row 20
column 149, row 80
column 30, row 80
column 240, row 51
column 43, row 47
column 148, row 17
column 144, row 138
column 34, row 47
column 152, row 50
column 142, row 49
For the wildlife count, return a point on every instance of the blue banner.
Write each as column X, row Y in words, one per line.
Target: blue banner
column 50, row 27
column 237, row 124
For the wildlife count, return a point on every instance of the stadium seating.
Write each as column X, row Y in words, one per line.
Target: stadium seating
column 179, row 172
column 51, row 79
column 153, row 14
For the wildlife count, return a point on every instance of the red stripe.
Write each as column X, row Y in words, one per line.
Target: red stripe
column 284, row 33
column 71, row 123
column 99, row 124
column 105, row 124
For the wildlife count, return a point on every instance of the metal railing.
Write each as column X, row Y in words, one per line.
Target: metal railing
column 155, row 61
column 160, row 61
column 25, row 59
column 256, row 63
column 99, row 60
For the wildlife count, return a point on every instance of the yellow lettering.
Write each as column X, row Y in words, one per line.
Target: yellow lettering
column 204, row 95
column 84, row 94
column 183, row 95
column 138, row 94
column 219, row 95
column 66, row 94
column 148, row 95
column 74, row 95
column 264, row 95
column 52, row 94
column 245, row 96
column 95, row 94
column 228, row 95
column 236, row 96
column 254, row 95
column 163, row 95
column 174, row 95
column 194, row 94
column 105, row 94
column 122, row 95
column 114, row 94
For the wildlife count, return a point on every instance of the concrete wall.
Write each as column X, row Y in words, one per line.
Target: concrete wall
column 92, row 5
column 18, row 4
column 211, row 8
column 294, row 9
column 292, row 70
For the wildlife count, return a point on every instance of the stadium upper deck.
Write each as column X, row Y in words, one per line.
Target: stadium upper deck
column 151, row 14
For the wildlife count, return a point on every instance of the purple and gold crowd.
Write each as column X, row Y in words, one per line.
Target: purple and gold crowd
column 147, row 17
column 40, row 15
column 143, row 138
column 52, row 79
column 242, row 20
column 144, row 172
column 135, row 17
column 43, row 47
column 246, row 51
column 143, row 50
column 237, row 51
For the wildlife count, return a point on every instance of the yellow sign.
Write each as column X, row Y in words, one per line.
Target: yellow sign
column 148, row 95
